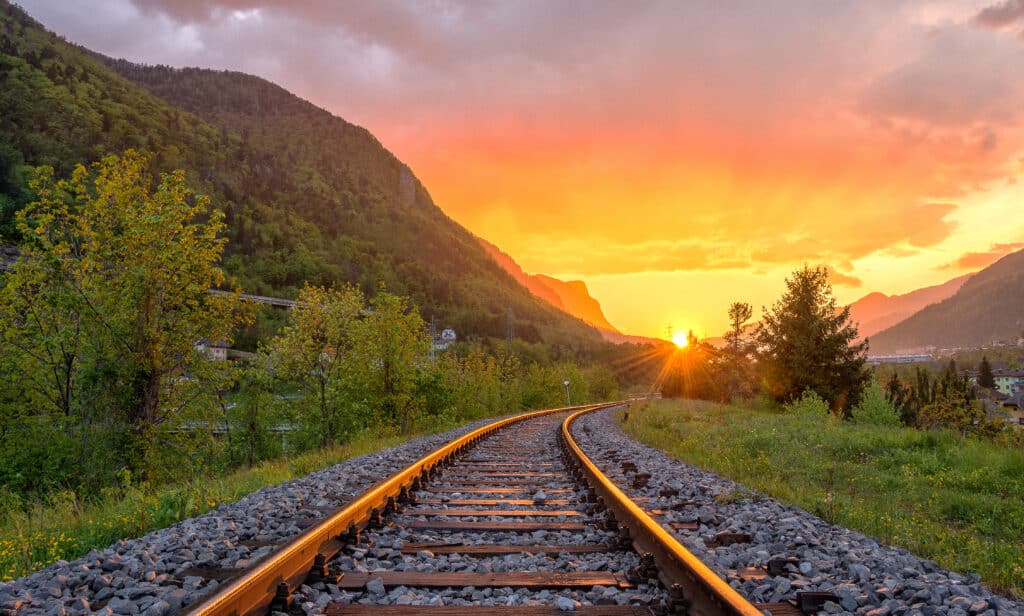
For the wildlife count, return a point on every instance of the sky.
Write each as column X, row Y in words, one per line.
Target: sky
column 675, row 156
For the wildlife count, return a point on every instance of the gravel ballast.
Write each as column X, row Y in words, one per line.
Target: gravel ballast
column 868, row 578
column 147, row 575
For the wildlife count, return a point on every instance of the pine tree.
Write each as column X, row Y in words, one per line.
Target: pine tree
column 986, row 380
column 805, row 342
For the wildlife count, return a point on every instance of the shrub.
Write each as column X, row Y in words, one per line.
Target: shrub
column 809, row 404
column 875, row 409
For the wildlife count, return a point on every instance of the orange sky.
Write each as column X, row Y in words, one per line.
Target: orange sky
column 675, row 156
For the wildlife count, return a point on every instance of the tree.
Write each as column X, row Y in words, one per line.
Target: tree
column 986, row 380
column 735, row 366
column 899, row 397
column 806, row 343
column 739, row 314
column 314, row 351
column 110, row 297
column 875, row 408
column 388, row 342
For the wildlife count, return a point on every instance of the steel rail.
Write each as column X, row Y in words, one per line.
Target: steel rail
column 256, row 588
column 679, row 570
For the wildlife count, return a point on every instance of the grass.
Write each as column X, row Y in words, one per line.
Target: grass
column 957, row 501
column 64, row 527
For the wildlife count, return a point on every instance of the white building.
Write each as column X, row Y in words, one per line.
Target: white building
column 445, row 339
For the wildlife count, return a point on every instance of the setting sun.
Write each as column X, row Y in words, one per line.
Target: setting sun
column 680, row 339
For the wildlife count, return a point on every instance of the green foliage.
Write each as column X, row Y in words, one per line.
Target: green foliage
column 387, row 344
column 806, row 342
column 875, row 408
column 101, row 313
column 955, row 500
column 314, row 352
column 809, row 404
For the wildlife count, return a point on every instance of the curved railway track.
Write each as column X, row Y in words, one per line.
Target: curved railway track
column 513, row 507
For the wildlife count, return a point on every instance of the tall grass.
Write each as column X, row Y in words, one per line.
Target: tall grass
column 34, row 535
column 957, row 501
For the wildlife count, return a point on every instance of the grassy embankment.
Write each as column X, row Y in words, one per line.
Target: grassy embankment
column 63, row 527
column 957, row 501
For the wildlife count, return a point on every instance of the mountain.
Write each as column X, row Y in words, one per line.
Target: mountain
column 576, row 300
column 307, row 195
column 988, row 308
column 571, row 297
column 877, row 311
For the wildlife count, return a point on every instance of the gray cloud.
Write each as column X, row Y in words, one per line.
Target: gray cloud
column 1002, row 15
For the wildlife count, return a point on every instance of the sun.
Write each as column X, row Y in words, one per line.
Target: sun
column 680, row 339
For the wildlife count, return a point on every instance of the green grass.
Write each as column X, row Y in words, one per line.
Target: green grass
column 957, row 501
column 38, row 534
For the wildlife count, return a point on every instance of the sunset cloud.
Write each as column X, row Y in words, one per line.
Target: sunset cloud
column 976, row 260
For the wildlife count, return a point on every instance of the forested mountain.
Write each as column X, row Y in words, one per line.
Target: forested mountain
column 877, row 311
column 989, row 307
column 308, row 196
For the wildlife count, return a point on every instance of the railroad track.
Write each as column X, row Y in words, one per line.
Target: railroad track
column 512, row 518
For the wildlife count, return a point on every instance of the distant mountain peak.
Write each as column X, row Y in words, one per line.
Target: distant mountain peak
column 877, row 311
column 571, row 296
column 984, row 310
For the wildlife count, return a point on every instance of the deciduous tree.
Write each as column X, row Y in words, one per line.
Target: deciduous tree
column 314, row 351
column 112, row 289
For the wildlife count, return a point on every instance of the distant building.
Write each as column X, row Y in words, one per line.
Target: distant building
column 1014, row 408
column 445, row 339
column 875, row 360
column 1008, row 382
column 214, row 351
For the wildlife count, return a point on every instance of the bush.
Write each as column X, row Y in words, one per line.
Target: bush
column 809, row 404
column 875, row 409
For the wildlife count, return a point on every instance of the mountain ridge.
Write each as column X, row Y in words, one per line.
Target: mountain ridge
column 985, row 310
column 572, row 297
column 877, row 311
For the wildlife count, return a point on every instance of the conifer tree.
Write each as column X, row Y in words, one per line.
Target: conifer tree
column 805, row 342
column 986, row 379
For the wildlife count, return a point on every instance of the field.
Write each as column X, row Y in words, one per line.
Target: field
column 957, row 501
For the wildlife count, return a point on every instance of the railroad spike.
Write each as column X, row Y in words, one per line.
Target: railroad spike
column 282, row 600
column 624, row 541
column 610, row 522
column 678, row 604
column 321, row 573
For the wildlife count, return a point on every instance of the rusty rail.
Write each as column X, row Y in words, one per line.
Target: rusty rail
column 690, row 582
column 256, row 588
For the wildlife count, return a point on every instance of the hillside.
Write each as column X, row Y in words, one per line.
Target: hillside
column 572, row 297
column 877, row 311
column 988, row 308
column 308, row 196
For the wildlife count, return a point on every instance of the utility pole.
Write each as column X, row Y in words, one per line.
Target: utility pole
column 433, row 337
column 511, row 324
